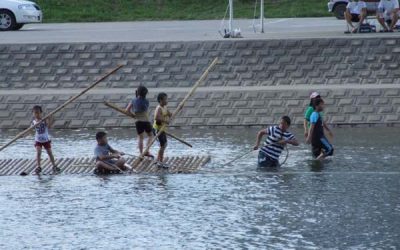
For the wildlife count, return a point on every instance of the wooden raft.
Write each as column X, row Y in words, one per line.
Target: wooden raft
column 182, row 164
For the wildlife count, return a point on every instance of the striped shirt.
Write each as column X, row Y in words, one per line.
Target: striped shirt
column 271, row 148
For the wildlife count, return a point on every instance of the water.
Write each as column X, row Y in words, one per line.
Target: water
column 351, row 201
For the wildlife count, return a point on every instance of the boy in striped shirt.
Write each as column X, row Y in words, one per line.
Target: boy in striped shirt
column 277, row 138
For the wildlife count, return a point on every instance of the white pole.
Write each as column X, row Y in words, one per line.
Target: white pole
column 230, row 16
column 262, row 16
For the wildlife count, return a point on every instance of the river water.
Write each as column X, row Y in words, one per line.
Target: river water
column 351, row 201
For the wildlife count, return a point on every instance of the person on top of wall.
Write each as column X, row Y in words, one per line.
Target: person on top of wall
column 388, row 14
column 356, row 11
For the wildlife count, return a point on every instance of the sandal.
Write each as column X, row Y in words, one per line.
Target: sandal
column 161, row 165
column 149, row 155
column 38, row 170
column 56, row 169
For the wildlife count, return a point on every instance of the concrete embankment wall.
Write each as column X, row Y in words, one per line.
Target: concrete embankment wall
column 254, row 84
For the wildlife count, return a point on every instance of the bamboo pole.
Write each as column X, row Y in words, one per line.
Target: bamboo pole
column 180, row 106
column 127, row 113
column 23, row 133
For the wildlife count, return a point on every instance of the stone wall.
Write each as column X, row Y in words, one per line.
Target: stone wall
column 254, row 84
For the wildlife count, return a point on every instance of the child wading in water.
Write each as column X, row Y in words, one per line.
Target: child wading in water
column 140, row 106
column 277, row 138
column 108, row 160
column 42, row 138
column 321, row 148
column 307, row 115
column 161, row 117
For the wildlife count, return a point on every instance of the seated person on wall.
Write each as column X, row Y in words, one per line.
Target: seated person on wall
column 356, row 11
column 388, row 14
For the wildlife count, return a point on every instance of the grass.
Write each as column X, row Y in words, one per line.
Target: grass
column 136, row 10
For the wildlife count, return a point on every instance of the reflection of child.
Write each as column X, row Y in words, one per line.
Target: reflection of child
column 321, row 147
column 42, row 138
column 140, row 106
column 161, row 118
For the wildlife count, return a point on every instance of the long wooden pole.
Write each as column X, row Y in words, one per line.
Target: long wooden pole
column 23, row 133
column 180, row 106
column 129, row 114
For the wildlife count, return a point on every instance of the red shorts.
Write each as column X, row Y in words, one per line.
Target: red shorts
column 45, row 145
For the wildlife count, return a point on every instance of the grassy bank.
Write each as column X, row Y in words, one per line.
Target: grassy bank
column 134, row 10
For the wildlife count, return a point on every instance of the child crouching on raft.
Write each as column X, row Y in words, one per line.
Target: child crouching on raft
column 108, row 160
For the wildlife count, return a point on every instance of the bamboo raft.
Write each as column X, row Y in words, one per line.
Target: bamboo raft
column 85, row 165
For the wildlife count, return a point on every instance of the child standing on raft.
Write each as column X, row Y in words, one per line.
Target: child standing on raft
column 161, row 118
column 42, row 138
column 140, row 106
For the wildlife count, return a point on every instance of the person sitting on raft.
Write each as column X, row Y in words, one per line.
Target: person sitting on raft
column 277, row 138
column 321, row 147
column 108, row 160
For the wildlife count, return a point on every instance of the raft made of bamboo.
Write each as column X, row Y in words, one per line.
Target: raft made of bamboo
column 86, row 165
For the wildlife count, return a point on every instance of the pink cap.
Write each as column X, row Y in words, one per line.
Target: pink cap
column 313, row 95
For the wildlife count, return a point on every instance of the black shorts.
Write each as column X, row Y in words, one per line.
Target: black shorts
column 162, row 139
column 102, row 171
column 322, row 146
column 355, row 18
column 264, row 161
column 142, row 127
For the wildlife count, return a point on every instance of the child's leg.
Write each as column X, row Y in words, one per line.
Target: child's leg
column 327, row 147
column 38, row 155
column 163, row 145
column 140, row 142
column 149, row 138
column 104, row 168
column 121, row 164
column 51, row 156
column 160, row 156
column 321, row 156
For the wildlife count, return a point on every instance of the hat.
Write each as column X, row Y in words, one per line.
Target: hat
column 314, row 94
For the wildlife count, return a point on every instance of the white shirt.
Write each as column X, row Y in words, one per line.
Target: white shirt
column 42, row 132
column 388, row 5
column 356, row 7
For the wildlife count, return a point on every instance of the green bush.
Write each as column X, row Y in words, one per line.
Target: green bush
column 134, row 10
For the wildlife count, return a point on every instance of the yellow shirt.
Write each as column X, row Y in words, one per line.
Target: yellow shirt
column 164, row 114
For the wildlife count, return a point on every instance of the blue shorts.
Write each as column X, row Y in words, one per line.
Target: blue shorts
column 322, row 146
column 265, row 161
